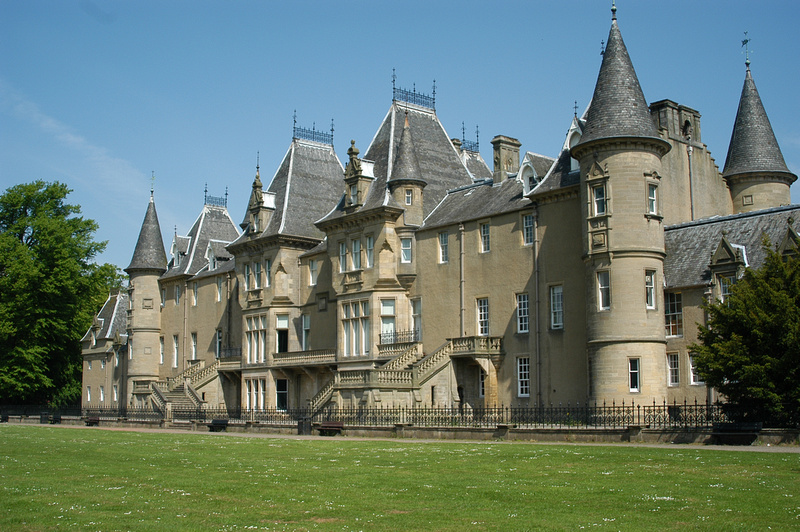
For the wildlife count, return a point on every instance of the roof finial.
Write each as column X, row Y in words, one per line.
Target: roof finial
column 205, row 195
column 602, row 47
column 613, row 10
column 152, row 184
column 745, row 42
column 575, row 109
column 258, row 163
column 331, row 130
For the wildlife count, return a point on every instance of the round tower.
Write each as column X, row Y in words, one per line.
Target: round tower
column 149, row 262
column 754, row 168
column 623, row 238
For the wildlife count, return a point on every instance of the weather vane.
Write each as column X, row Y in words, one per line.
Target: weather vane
column 745, row 42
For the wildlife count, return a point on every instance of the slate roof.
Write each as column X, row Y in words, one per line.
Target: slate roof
column 113, row 317
column 541, row 163
column 618, row 107
column 406, row 164
column 690, row 245
column 222, row 267
column 440, row 165
column 214, row 223
column 558, row 176
column 753, row 146
column 309, row 180
column 476, row 201
column 475, row 164
column 218, row 249
column 149, row 252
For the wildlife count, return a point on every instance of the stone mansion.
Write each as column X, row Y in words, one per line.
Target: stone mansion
column 416, row 275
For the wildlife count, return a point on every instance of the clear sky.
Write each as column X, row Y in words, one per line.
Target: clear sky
column 101, row 94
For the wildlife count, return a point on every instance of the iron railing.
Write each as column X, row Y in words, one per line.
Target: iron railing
column 400, row 337
column 664, row 416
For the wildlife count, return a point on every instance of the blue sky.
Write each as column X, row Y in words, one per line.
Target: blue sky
column 100, row 94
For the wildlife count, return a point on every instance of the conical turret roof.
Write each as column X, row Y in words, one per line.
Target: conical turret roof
column 618, row 107
column 406, row 164
column 753, row 146
column 149, row 253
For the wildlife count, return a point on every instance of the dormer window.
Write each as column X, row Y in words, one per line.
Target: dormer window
column 354, row 194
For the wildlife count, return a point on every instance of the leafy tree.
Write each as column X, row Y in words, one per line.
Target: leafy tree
column 750, row 350
column 49, row 292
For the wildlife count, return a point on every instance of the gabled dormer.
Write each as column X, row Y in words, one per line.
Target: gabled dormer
column 178, row 249
column 727, row 266
column 216, row 254
column 790, row 245
column 358, row 176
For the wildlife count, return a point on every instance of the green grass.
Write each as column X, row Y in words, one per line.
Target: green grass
column 59, row 478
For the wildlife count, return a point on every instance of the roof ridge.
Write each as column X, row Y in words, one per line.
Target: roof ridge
column 728, row 217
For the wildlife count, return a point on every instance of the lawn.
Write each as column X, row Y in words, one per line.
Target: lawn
column 94, row 479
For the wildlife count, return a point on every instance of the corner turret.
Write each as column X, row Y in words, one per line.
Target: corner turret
column 149, row 262
column 622, row 230
column 755, row 169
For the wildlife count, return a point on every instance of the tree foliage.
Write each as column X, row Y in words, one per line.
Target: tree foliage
column 750, row 350
column 49, row 292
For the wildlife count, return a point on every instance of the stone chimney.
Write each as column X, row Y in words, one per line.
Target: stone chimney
column 506, row 157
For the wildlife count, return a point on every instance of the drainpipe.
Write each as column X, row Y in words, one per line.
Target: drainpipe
column 537, row 327
column 691, row 190
column 462, row 280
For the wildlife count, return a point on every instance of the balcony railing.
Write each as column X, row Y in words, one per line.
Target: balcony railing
column 400, row 337
column 302, row 358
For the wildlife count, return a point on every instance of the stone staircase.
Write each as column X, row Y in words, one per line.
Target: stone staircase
column 409, row 370
column 179, row 398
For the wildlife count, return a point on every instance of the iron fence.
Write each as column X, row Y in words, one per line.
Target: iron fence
column 663, row 416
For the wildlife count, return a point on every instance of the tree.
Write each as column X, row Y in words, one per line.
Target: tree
column 49, row 292
column 750, row 350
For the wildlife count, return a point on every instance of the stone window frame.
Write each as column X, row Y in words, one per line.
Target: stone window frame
column 523, row 368
column 482, row 316
column 444, row 247
column 313, row 272
column 603, row 290
column 355, row 252
column 650, row 296
column 406, row 251
column 485, row 237
column 528, row 232
column 673, row 314
column 635, row 374
column 694, row 375
column 369, row 251
column 556, row 314
column 523, row 313
column 673, row 369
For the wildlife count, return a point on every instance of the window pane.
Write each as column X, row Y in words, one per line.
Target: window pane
column 557, row 307
column 633, row 372
column 524, row 376
column 522, row 313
